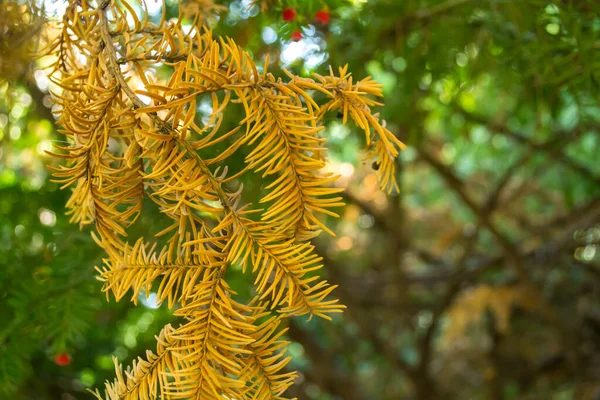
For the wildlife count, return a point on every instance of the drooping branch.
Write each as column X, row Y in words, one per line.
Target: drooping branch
column 152, row 148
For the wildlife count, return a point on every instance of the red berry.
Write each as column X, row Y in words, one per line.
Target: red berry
column 288, row 14
column 62, row 359
column 323, row 16
column 296, row 35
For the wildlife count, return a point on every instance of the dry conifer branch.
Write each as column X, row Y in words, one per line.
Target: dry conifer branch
column 124, row 148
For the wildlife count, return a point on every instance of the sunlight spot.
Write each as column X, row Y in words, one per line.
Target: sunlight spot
column 293, row 51
column 366, row 221
column 424, row 318
column 37, row 242
column 551, row 9
column 130, row 338
column 399, row 64
column 19, row 231
column 150, row 301
column 43, row 146
column 53, row 7
column 15, row 132
column 47, row 217
column 269, row 35
column 346, row 169
column 588, row 253
column 344, row 243
column 339, row 131
column 154, row 7
column 553, row 29
column 17, row 111
column 25, row 99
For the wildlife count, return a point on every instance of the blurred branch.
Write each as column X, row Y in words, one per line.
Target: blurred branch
column 464, row 272
column 456, row 284
column 439, row 8
column 511, row 253
column 381, row 219
column 553, row 147
column 494, row 196
column 324, row 370
column 581, row 218
column 496, row 385
column 366, row 328
column 578, row 218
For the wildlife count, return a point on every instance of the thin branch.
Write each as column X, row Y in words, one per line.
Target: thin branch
column 511, row 252
column 366, row 328
column 553, row 147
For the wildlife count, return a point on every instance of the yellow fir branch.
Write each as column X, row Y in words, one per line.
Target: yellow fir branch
column 264, row 368
column 143, row 380
column 132, row 136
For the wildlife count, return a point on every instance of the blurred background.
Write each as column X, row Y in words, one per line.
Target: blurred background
column 479, row 280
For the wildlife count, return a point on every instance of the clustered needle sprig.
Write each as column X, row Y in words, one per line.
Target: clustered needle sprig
column 133, row 137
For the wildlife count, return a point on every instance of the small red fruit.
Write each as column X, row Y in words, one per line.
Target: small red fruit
column 296, row 35
column 323, row 16
column 62, row 359
column 288, row 14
